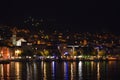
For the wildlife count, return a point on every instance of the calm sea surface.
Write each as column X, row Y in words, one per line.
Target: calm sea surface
column 82, row 70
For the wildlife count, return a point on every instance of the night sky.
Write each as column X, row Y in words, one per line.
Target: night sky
column 91, row 15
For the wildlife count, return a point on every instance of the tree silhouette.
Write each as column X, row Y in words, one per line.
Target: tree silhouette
column 27, row 53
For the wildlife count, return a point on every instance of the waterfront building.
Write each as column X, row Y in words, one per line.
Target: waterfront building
column 4, row 52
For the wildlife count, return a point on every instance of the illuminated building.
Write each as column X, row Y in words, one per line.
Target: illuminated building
column 84, row 42
column 19, row 42
column 5, row 53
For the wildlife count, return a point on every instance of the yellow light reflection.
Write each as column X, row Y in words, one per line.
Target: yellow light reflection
column 1, row 70
column 92, row 66
column 8, row 69
column 4, row 71
column 17, row 68
column 42, row 68
column 45, row 74
column 72, row 78
column 98, row 71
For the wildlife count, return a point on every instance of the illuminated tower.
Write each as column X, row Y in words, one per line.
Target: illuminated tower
column 14, row 40
column 14, row 30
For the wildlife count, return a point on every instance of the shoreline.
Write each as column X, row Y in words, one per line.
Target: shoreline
column 57, row 60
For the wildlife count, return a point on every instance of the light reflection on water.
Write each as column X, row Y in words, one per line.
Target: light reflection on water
column 98, row 71
column 53, row 70
column 82, row 70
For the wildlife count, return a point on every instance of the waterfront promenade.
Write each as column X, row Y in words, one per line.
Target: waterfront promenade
column 56, row 59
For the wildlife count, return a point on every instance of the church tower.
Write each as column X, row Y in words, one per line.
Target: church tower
column 14, row 31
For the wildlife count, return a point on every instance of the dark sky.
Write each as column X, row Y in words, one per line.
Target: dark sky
column 91, row 15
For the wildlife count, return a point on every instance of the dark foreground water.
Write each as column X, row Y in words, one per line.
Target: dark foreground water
column 82, row 70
